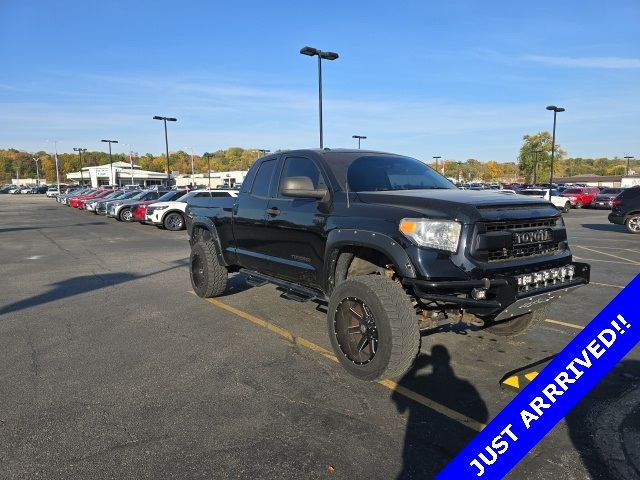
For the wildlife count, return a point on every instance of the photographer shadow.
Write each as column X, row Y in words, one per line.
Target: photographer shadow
column 433, row 439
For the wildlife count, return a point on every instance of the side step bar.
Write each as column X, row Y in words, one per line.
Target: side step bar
column 292, row 291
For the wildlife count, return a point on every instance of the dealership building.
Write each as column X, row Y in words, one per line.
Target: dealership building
column 120, row 173
column 218, row 179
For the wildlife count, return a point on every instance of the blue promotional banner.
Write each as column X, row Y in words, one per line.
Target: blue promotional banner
column 553, row 393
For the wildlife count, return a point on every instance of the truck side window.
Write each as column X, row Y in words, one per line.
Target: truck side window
column 261, row 183
column 302, row 167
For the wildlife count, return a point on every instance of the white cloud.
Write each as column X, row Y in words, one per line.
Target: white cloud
column 585, row 62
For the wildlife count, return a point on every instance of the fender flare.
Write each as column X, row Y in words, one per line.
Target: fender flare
column 342, row 237
column 207, row 224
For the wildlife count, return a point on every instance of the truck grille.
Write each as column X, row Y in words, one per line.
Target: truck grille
column 502, row 241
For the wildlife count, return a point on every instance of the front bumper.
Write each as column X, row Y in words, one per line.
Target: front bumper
column 503, row 297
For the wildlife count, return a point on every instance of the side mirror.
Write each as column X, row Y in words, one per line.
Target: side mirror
column 301, row 187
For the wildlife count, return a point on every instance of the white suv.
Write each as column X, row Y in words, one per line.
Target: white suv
column 170, row 215
column 561, row 203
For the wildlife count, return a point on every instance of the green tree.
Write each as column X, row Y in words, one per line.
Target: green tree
column 540, row 142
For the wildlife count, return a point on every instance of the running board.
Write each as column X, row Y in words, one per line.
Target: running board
column 292, row 291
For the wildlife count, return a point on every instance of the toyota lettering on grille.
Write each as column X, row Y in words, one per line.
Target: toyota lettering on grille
column 532, row 236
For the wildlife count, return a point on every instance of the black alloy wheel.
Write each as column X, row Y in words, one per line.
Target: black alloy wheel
column 356, row 331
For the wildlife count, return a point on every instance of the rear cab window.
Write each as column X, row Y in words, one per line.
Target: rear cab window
column 262, row 181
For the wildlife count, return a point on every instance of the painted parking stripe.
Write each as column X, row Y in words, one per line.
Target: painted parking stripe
column 605, row 285
column 390, row 384
column 565, row 324
column 609, row 254
column 600, row 260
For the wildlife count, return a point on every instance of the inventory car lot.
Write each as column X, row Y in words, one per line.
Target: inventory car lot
column 157, row 382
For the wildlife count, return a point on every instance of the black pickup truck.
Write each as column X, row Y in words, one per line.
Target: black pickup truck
column 394, row 247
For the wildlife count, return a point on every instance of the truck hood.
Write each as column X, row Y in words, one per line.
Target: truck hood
column 467, row 206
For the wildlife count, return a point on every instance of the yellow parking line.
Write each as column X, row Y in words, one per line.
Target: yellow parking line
column 565, row 324
column 609, row 254
column 390, row 384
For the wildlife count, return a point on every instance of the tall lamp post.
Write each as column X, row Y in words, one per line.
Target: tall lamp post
column 55, row 149
column 436, row 159
column 80, row 150
column 459, row 163
column 310, row 51
column 166, row 142
column 359, row 137
column 111, row 179
column 130, row 160
column 37, row 171
column 555, row 111
column 628, row 158
column 208, row 155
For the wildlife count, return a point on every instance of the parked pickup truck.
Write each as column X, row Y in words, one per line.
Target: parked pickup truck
column 391, row 245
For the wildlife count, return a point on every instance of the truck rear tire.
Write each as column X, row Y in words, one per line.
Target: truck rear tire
column 373, row 327
column 208, row 277
column 517, row 325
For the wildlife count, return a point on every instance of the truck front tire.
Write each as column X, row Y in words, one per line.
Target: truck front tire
column 208, row 277
column 518, row 325
column 372, row 327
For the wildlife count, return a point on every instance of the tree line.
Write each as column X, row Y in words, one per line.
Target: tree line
column 534, row 163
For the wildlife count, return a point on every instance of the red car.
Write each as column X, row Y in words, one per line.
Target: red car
column 581, row 196
column 139, row 209
column 103, row 193
column 73, row 200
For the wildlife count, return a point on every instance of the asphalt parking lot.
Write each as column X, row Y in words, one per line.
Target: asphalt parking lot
column 111, row 368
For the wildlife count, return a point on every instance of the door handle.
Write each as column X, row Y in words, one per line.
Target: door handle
column 273, row 211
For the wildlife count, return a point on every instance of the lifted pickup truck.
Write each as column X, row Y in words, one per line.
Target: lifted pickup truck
column 393, row 246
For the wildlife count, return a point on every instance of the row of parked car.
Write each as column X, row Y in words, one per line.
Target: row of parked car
column 162, row 208
column 24, row 189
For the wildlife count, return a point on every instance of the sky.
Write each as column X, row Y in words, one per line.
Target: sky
column 459, row 79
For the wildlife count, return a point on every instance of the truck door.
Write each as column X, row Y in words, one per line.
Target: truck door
column 296, row 226
column 250, row 219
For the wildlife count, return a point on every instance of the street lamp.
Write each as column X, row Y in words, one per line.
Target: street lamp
column 80, row 150
column 130, row 159
column 208, row 155
column 37, row 171
column 436, row 159
column 55, row 149
column 459, row 163
column 321, row 55
column 359, row 137
column 555, row 111
column 628, row 157
column 110, row 159
column 166, row 141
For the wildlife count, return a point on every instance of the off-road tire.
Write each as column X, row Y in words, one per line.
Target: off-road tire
column 518, row 325
column 633, row 223
column 208, row 277
column 395, row 319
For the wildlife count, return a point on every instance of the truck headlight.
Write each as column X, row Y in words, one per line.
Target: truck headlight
column 439, row 234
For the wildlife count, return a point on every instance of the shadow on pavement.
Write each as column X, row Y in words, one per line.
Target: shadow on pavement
column 79, row 285
column 605, row 426
column 432, row 440
column 20, row 229
column 611, row 227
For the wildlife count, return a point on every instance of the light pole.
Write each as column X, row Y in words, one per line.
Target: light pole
column 262, row 152
column 628, row 157
column 208, row 155
column 192, row 177
column 310, row 51
column 555, row 111
column 80, row 150
column 130, row 159
column 436, row 159
column 459, row 163
column 55, row 149
column 111, row 179
column 37, row 171
column 359, row 137
column 166, row 142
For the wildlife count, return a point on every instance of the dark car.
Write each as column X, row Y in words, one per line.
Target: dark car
column 392, row 246
column 625, row 209
column 605, row 198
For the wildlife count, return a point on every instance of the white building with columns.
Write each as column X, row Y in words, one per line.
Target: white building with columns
column 120, row 173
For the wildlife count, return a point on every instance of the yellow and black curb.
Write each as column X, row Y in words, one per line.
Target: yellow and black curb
column 519, row 378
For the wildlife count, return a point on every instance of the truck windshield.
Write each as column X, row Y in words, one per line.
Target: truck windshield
column 386, row 172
